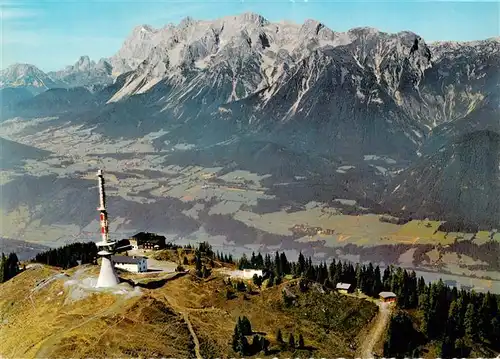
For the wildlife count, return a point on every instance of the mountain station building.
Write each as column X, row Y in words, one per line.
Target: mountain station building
column 144, row 240
column 131, row 264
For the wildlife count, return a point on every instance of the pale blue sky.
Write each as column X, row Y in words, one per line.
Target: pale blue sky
column 52, row 34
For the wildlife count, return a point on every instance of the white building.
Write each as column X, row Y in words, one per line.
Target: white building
column 343, row 287
column 131, row 264
column 245, row 273
column 133, row 243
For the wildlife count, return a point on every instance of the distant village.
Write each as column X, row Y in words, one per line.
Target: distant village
column 305, row 230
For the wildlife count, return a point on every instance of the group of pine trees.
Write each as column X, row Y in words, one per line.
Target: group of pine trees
column 367, row 278
column 69, row 255
column 292, row 344
column 234, row 285
column 202, row 271
column 402, row 338
column 204, row 250
column 458, row 319
column 224, row 258
column 240, row 342
column 447, row 313
column 9, row 267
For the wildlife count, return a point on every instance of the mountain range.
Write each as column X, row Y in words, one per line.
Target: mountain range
column 384, row 119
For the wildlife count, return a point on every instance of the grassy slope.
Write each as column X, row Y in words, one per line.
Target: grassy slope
column 214, row 317
column 101, row 325
column 104, row 325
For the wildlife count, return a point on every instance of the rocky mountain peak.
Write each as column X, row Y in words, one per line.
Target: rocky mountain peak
column 104, row 64
column 84, row 72
column 21, row 69
column 84, row 63
column 253, row 18
column 186, row 22
column 28, row 76
column 311, row 26
column 142, row 30
column 364, row 31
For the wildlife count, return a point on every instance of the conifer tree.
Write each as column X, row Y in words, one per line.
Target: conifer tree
column 257, row 280
column 487, row 311
column 284, row 265
column 470, row 322
column 244, row 264
column 447, row 347
column 301, row 264
column 310, row 272
column 242, row 345
column 359, row 277
column 264, row 345
column 236, row 336
column 461, row 349
column 253, row 260
column 412, row 289
column 267, row 262
column 495, row 332
column 245, row 326
column 452, row 325
column 400, row 336
column 331, row 270
column 277, row 265
column 259, row 261
column 205, row 272
column 198, row 266
column 301, row 341
column 270, row 280
column 3, row 266
column 421, row 285
column 279, row 336
column 387, row 278
column 256, row 343
column 377, row 282
column 291, row 341
column 240, row 286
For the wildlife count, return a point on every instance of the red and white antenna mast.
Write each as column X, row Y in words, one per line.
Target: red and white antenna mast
column 107, row 276
column 102, row 208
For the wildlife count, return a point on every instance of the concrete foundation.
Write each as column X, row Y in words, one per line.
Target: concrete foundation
column 107, row 276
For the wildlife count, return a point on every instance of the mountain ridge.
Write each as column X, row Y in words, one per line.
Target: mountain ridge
column 341, row 96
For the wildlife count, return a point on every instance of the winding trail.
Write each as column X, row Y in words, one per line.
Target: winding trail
column 193, row 334
column 381, row 322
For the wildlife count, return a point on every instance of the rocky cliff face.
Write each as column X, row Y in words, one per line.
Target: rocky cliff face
column 85, row 72
column 27, row 76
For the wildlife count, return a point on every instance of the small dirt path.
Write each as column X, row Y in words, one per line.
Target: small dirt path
column 193, row 334
column 381, row 322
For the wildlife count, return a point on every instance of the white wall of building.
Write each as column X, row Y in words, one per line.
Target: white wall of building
column 245, row 273
column 141, row 266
